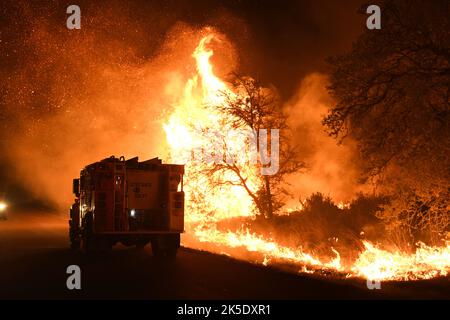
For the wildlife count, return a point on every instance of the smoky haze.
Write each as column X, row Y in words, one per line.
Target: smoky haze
column 73, row 97
column 332, row 168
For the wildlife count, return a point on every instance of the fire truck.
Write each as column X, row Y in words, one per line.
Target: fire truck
column 127, row 201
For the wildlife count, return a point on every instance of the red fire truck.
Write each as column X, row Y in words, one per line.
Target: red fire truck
column 130, row 202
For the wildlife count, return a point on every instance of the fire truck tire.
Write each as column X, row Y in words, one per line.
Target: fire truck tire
column 156, row 249
column 88, row 244
column 166, row 246
column 140, row 244
column 171, row 252
column 103, row 244
column 74, row 242
column 92, row 244
column 173, row 245
column 88, row 241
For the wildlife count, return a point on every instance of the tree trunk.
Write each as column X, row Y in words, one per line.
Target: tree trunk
column 269, row 212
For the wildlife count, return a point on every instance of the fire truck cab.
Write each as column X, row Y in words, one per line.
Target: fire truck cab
column 130, row 202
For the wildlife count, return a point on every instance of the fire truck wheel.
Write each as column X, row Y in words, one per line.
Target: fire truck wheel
column 173, row 243
column 156, row 249
column 88, row 241
column 73, row 236
column 88, row 244
column 171, row 252
column 166, row 246
column 92, row 244
column 141, row 244
column 104, row 244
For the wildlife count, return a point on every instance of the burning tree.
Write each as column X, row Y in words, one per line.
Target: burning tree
column 392, row 92
column 215, row 192
column 251, row 108
column 222, row 131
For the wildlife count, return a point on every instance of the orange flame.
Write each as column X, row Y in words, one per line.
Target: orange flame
column 207, row 205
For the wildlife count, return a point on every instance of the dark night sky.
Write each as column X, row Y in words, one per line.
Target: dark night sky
column 278, row 41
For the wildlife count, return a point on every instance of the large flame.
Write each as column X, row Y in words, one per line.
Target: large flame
column 208, row 204
column 186, row 131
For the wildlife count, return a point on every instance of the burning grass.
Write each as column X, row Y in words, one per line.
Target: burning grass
column 320, row 227
column 321, row 237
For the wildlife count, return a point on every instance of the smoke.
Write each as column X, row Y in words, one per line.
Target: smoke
column 75, row 103
column 73, row 97
column 74, row 100
column 332, row 168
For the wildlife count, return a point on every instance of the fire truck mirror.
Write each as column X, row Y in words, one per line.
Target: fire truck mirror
column 76, row 187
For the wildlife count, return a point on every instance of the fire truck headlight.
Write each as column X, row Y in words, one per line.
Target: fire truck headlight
column 133, row 213
column 3, row 206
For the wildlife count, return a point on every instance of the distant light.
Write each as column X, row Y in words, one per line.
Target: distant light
column 132, row 213
column 3, row 206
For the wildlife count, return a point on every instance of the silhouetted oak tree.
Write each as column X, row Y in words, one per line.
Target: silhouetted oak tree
column 392, row 94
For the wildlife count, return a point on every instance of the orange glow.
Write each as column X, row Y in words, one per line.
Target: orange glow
column 427, row 262
column 207, row 205
column 184, row 131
